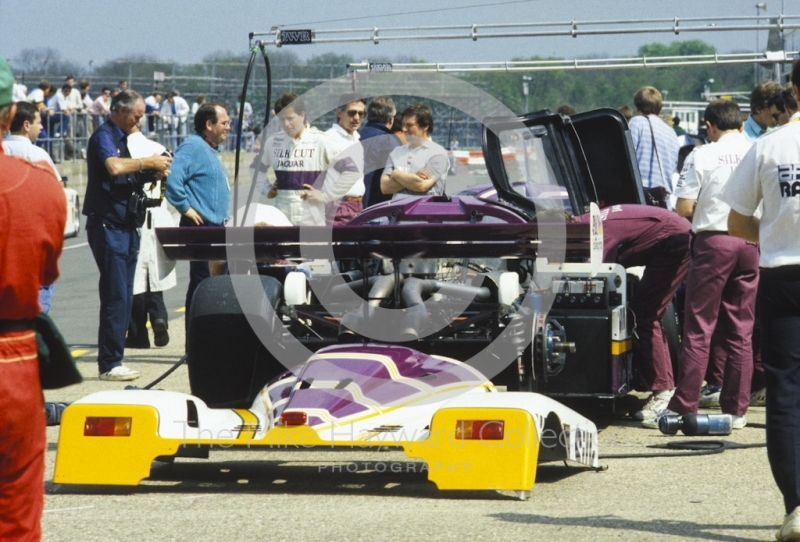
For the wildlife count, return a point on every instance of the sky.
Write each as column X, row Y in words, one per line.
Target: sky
column 185, row 31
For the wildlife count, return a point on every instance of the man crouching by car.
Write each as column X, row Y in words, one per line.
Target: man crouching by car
column 111, row 227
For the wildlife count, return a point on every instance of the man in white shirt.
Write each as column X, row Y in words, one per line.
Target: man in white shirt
column 723, row 274
column 351, row 111
column 61, row 107
column 74, row 100
column 420, row 167
column 175, row 111
column 19, row 91
column 25, row 129
column 769, row 174
column 152, row 110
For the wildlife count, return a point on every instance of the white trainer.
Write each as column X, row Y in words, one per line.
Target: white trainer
column 120, row 373
column 657, row 403
column 790, row 529
column 738, row 422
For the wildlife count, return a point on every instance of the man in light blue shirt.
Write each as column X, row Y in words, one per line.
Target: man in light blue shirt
column 760, row 119
column 656, row 143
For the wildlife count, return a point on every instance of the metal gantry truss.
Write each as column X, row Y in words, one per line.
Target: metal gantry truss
column 573, row 28
column 590, row 63
column 279, row 36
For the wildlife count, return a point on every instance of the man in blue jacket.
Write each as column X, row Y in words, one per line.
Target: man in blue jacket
column 378, row 141
column 198, row 185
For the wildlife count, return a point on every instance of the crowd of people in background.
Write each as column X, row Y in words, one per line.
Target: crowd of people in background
column 70, row 115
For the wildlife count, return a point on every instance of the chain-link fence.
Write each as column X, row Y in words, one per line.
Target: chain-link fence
column 66, row 136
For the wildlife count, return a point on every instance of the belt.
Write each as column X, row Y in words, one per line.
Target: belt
column 352, row 198
column 16, row 325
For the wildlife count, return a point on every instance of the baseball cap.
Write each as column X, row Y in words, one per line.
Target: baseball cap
column 6, row 83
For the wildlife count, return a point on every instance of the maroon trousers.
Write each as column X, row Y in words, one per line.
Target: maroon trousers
column 720, row 294
column 659, row 239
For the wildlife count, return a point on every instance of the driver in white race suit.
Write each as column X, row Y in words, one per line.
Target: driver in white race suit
column 300, row 155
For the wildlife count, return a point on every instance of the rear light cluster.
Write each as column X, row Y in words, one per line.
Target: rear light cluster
column 107, row 427
column 294, row 418
column 480, row 429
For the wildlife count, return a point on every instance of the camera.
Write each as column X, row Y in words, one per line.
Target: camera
column 138, row 203
column 149, row 176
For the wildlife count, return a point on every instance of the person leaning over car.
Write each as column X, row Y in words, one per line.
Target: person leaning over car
column 420, row 167
column 198, row 185
column 111, row 232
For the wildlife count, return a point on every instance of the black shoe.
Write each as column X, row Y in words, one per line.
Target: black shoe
column 160, row 335
column 136, row 343
column 53, row 412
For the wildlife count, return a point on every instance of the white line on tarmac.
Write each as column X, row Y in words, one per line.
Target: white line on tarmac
column 76, row 246
column 68, row 509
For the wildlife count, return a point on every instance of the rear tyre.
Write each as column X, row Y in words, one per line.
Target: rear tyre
column 228, row 365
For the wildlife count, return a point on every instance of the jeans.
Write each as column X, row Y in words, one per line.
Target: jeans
column 115, row 250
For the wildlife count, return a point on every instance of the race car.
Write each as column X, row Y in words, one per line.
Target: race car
column 427, row 306
column 369, row 397
column 73, row 225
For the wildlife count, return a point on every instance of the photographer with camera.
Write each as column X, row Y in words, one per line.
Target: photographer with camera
column 198, row 184
column 115, row 209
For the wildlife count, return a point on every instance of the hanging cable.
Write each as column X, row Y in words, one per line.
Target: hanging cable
column 258, row 46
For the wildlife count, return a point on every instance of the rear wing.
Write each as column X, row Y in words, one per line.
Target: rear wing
column 556, row 241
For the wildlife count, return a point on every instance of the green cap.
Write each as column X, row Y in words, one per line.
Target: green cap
column 6, row 83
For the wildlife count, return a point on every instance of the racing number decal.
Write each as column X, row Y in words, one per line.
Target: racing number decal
column 249, row 424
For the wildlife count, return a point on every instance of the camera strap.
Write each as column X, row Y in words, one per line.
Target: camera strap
column 664, row 182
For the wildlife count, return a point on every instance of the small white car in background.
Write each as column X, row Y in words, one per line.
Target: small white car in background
column 73, row 225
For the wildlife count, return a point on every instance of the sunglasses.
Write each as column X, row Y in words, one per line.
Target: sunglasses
column 353, row 112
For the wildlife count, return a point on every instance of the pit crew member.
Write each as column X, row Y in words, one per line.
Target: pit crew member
column 723, row 274
column 770, row 174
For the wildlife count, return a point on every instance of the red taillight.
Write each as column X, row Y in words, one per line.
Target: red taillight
column 294, row 418
column 480, row 429
column 107, row 427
